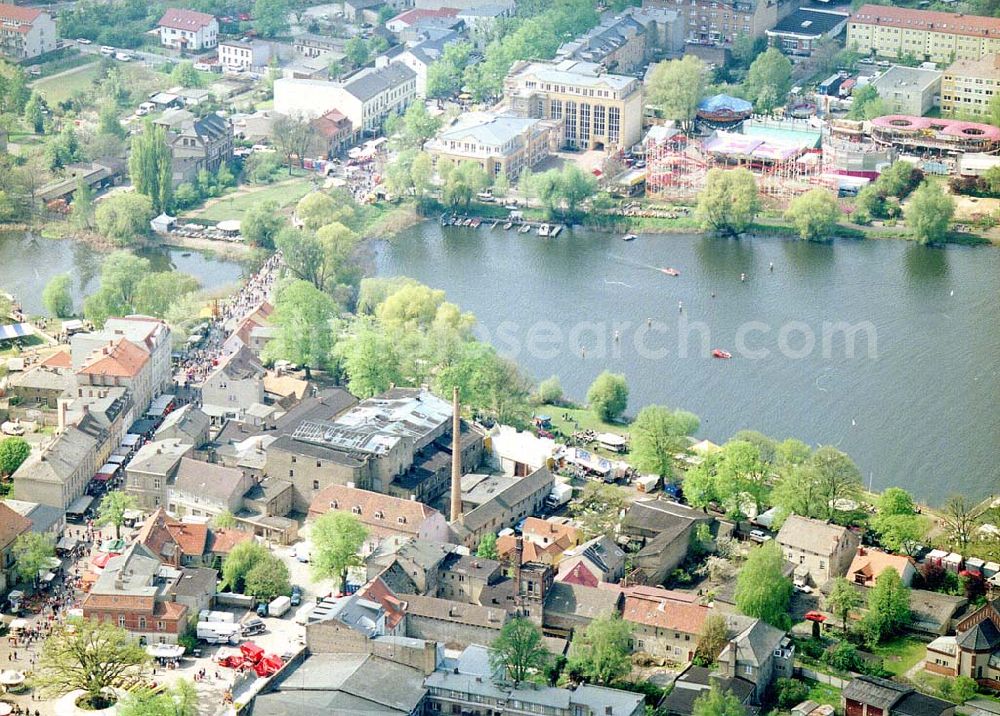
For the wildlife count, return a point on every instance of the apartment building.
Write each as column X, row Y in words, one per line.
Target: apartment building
column 25, row 32
column 497, row 142
column 908, row 90
column 720, row 22
column 58, row 473
column 240, row 55
column 968, row 86
column 598, row 110
column 927, row 35
column 820, row 551
column 183, row 29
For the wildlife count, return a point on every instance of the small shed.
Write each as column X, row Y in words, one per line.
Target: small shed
column 163, row 223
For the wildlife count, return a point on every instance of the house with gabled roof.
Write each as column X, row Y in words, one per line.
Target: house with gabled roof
column 759, row 653
column 184, row 29
column 820, row 550
column 12, row 526
column 974, row 651
column 595, row 561
column 664, row 623
column 383, row 515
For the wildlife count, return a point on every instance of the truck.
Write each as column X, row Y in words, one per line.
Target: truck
column 560, row 495
column 206, row 615
column 218, row 632
column 278, row 606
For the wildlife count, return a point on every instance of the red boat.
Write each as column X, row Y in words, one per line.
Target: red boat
column 719, row 353
column 670, row 271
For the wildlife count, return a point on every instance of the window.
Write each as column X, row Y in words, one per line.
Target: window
column 401, row 520
column 160, row 626
column 747, row 669
column 356, row 510
column 142, row 623
column 315, row 484
column 121, row 620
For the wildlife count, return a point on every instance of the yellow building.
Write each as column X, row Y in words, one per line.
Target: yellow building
column 497, row 142
column 598, row 110
column 968, row 86
column 926, row 35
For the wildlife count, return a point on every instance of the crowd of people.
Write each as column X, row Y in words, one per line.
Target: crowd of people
column 201, row 359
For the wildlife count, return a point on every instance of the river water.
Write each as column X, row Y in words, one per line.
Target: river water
column 913, row 395
column 28, row 262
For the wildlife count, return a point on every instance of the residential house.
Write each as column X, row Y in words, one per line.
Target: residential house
column 452, row 623
column 868, row 564
column 571, row 607
column 334, row 130
column 927, row 35
column 152, row 600
column 819, row 550
column 45, row 519
column 344, row 683
column 188, row 424
column 107, row 409
column 933, row 613
column 505, row 505
column 244, row 55
column 709, row 23
column 180, row 544
column 802, row 32
column 871, row 696
column 663, row 531
column 968, row 86
column 151, row 470
column 383, row 515
column 913, row 91
column 409, row 566
column 41, row 387
column 411, row 19
column 12, row 526
column 201, row 489
column 421, row 55
column 349, row 624
column 543, row 541
column 57, row 474
column 618, row 44
column 694, row 681
column 461, row 4
column 26, row 32
column 233, row 386
column 665, row 624
column 599, row 110
column 974, row 651
column 312, row 45
column 498, row 143
column 120, row 363
column 361, row 11
column 197, row 143
column 595, row 561
column 182, row 29
column 758, row 653
column 462, row 578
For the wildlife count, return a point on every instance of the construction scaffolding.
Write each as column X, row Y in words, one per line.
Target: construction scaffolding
column 675, row 167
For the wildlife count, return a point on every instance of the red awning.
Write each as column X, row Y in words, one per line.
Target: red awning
column 815, row 617
column 101, row 560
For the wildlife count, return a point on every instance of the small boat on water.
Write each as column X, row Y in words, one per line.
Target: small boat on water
column 467, row 222
column 494, row 225
column 670, row 271
column 475, row 223
column 556, row 230
column 524, row 229
column 455, row 220
column 719, row 353
column 629, row 237
column 186, row 254
column 544, row 230
column 444, row 219
column 506, row 227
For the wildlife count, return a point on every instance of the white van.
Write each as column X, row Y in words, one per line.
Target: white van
column 218, row 632
column 107, row 51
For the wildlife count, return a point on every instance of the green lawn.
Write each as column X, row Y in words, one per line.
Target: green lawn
column 901, row 654
column 285, row 193
column 823, row 693
column 57, row 89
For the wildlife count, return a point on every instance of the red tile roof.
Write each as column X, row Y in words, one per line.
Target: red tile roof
column 18, row 14
column 191, row 538
column 59, row 359
column 395, row 608
column 12, row 524
column 872, row 563
column 411, row 16
column 161, row 529
column 181, row 19
column 581, row 575
column 947, row 22
column 223, row 540
column 122, row 358
column 537, row 529
column 381, row 513
column 663, row 609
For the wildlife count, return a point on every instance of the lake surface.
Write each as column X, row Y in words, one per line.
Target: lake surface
column 28, row 262
column 916, row 402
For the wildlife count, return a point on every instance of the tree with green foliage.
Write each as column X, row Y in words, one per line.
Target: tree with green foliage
column 741, row 473
column 676, row 87
column 959, row 689
column 302, row 317
column 124, row 217
column 888, row 608
column 501, row 185
column 608, row 396
column 180, row 699
column 32, row 552
column 487, row 548
column 64, row 148
column 270, row 17
column 769, row 79
column 716, row 702
column 112, row 509
column 58, row 296
column 961, row 518
column 108, row 122
column 94, row 656
column 550, row 390
column 325, row 257
column 238, row 563
column 790, row 693
column 601, row 652
column 261, row 224
column 598, row 510
column 729, row 202
column 928, row 213
column 82, row 208
column 658, row 434
column 34, row 113
column 150, row 166
column 464, row 181
column 444, row 77
column 293, row 135
column 490, row 384
column 121, row 273
column 762, row 589
column 897, row 522
column 185, row 75
column 814, row 214
column 225, row 520
column 356, row 52
column 337, row 538
column 518, row 651
column 13, row 452
column 746, row 48
column 158, row 291
column 712, row 638
column 837, row 477
column 268, row 578
column 575, row 187
column 370, row 361
column 844, row 598
column 418, row 125
column 866, row 104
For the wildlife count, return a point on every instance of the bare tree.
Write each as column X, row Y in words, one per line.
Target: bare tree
column 293, row 136
column 961, row 517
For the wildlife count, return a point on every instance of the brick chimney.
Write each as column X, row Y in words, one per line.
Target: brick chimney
column 456, row 458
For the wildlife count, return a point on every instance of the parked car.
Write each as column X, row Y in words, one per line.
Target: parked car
column 107, row 50
column 759, row 536
column 296, row 596
column 253, row 625
column 123, row 57
column 203, row 66
column 83, row 41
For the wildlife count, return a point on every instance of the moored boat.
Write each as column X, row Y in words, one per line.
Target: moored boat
column 524, row 229
column 669, row 271
column 506, row 227
column 555, row 230
column 544, row 230
column 629, row 237
column 719, row 353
